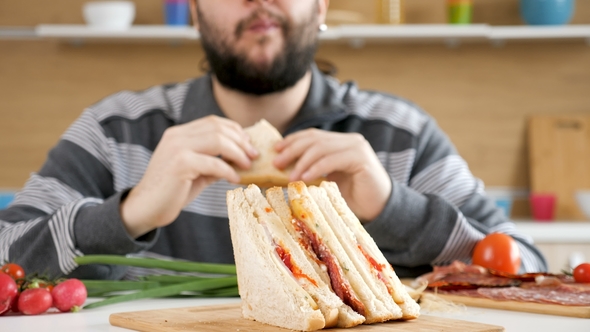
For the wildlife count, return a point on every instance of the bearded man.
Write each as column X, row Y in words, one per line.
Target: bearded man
column 146, row 172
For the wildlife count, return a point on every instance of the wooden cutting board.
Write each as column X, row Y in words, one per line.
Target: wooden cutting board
column 222, row 318
column 559, row 159
column 537, row 308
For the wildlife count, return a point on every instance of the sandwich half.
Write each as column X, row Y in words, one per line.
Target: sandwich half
column 253, row 217
column 307, row 263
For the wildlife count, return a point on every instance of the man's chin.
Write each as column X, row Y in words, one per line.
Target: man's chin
column 263, row 55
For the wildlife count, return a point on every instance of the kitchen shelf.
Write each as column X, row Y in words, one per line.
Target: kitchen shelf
column 539, row 32
column 556, row 231
column 354, row 34
column 67, row 31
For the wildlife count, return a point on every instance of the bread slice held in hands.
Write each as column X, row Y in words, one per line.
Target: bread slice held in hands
column 263, row 136
column 263, row 173
column 301, row 266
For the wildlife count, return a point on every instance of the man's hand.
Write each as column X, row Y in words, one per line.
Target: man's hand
column 347, row 159
column 186, row 160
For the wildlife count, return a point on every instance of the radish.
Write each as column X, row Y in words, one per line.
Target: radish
column 34, row 301
column 69, row 295
column 8, row 291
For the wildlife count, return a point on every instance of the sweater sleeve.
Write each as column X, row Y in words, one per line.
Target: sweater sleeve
column 441, row 212
column 68, row 209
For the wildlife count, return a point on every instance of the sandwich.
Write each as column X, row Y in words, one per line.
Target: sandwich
column 306, row 263
column 263, row 137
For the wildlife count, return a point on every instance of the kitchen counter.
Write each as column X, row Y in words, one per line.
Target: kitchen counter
column 555, row 231
column 98, row 319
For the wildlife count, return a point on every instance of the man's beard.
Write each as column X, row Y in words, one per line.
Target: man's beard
column 236, row 72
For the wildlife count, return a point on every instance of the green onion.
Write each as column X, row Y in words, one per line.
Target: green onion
column 119, row 285
column 198, row 285
column 228, row 291
column 172, row 265
column 171, row 278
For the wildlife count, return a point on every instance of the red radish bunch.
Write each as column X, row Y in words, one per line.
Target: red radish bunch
column 69, row 295
column 8, row 292
column 34, row 295
column 34, row 301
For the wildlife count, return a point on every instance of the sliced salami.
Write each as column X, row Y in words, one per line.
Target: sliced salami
column 539, row 295
column 472, row 280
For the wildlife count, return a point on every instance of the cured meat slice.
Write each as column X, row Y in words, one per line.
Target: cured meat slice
column 440, row 272
column 543, row 295
column 461, row 292
column 471, row 280
column 523, row 277
column 339, row 283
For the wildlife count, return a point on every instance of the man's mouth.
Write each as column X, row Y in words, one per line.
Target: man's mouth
column 263, row 26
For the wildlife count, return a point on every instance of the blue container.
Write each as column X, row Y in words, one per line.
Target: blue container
column 505, row 204
column 5, row 199
column 547, row 12
column 176, row 12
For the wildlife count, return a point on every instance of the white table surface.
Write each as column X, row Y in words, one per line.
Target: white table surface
column 98, row 319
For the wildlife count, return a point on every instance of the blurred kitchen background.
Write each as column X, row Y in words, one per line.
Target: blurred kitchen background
column 507, row 80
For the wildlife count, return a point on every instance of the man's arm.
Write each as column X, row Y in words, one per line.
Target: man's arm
column 441, row 212
column 68, row 209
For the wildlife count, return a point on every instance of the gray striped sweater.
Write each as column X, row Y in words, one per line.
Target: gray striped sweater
column 436, row 213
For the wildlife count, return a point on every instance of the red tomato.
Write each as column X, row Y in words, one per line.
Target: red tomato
column 499, row 252
column 582, row 273
column 13, row 270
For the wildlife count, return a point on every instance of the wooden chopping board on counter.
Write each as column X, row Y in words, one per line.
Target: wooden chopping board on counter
column 559, row 159
column 222, row 318
column 537, row 308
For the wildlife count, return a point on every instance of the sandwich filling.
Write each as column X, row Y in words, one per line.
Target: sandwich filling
column 287, row 259
column 378, row 271
column 285, row 256
column 339, row 283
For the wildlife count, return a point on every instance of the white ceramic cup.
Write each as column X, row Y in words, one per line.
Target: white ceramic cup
column 112, row 15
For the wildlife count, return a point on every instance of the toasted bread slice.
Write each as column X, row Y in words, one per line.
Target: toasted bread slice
column 306, row 210
column 410, row 309
column 354, row 249
column 346, row 316
column 269, row 294
column 292, row 252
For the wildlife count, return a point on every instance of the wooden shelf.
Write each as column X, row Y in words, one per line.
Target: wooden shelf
column 345, row 33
